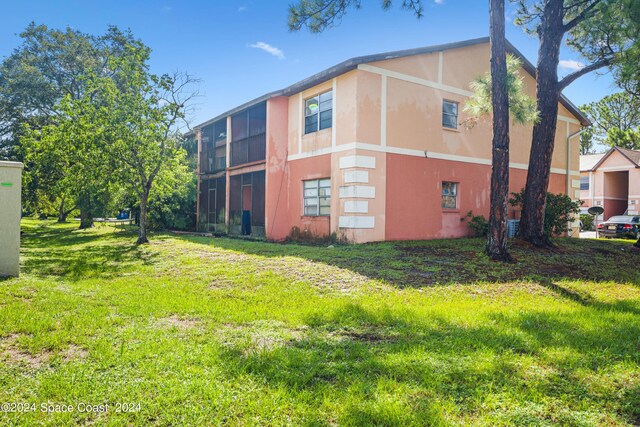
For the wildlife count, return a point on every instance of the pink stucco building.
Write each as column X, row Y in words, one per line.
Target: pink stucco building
column 611, row 180
column 371, row 149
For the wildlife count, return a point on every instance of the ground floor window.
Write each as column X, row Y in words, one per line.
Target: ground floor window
column 449, row 195
column 317, row 197
column 584, row 183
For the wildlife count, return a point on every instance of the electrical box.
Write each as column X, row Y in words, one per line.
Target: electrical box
column 10, row 213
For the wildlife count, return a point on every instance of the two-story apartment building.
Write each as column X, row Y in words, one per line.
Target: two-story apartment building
column 371, row 149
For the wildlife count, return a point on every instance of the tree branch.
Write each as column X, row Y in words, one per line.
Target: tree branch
column 570, row 78
column 586, row 13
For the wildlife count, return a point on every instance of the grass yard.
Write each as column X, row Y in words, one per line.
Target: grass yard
column 211, row 331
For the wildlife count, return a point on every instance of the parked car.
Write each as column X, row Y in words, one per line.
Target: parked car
column 621, row 226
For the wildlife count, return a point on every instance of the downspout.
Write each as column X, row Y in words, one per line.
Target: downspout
column 569, row 169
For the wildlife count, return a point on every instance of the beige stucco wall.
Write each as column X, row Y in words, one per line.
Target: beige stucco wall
column 10, row 212
column 395, row 106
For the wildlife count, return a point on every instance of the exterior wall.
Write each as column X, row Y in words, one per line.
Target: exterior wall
column 387, row 152
column 414, row 195
column 10, row 212
column 614, row 185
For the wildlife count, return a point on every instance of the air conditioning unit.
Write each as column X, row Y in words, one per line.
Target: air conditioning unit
column 512, row 227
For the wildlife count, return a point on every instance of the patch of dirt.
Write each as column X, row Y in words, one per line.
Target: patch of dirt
column 177, row 322
column 259, row 336
column 11, row 353
column 74, row 352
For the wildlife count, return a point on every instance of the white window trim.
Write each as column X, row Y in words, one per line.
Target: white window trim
column 317, row 197
column 456, row 195
column 317, row 113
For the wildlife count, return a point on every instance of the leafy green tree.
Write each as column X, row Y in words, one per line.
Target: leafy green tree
column 629, row 138
column 619, row 111
column 143, row 116
column 72, row 148
column 51, row 65
column 605, row 33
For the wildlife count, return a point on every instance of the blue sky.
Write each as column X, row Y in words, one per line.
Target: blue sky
column 243, row 49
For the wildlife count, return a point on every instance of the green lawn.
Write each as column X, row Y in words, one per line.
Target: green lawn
column 212, row 331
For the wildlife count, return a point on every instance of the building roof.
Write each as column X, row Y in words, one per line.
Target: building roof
column 588, row 161
column 592, row 164
column 351, row 64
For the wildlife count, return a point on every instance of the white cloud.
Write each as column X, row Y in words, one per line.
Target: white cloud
column 242, row 8
column 439, row 1
column 570, row 64
column 269, row 49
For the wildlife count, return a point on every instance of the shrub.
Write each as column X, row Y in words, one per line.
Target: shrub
column 587, row 221
column 478, row 224
column 560, row 209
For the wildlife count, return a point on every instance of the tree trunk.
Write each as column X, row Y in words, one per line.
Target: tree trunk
column 62, row 214
column 86, row 219
column 497, row 237
column 142, row 235
column 550, row 33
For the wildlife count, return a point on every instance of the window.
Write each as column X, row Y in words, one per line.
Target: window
column 449, row 114
column 317, row 197
column 318, row 113
column 449, row 195
column 584, row 182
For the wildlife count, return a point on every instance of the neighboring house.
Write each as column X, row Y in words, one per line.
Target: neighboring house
column 611, row 180
column 370, row 149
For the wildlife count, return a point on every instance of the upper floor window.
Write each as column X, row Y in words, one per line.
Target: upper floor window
column 449, row 114
column 584, row 182
column 449, row 195
column 317, row 197
column 318, row 112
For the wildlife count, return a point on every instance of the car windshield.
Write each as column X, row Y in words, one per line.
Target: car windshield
column 623, row 218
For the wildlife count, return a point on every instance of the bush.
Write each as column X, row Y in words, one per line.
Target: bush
column 560, row 209
column 587, row 221
column 478, row 224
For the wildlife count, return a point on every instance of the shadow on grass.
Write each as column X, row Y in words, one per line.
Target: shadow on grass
column 387, row 370
column 76, row 254
column 457, row 261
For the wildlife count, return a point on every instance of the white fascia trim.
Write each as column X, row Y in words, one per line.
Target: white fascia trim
column 415, row 153
column 412, row 79
column 617, row 168
column 383, row 111
column 300, row 121
column 356, row 206
column 333, row 112
column 357, row 192
column 568, row 119
column 350, row 221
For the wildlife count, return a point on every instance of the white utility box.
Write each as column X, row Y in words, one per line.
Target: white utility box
column 10, row 212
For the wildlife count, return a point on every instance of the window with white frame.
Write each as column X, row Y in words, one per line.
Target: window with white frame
column 584, row 182
column 317, row 197
column 449, row 195
column 449, row 114
column 318, row 112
